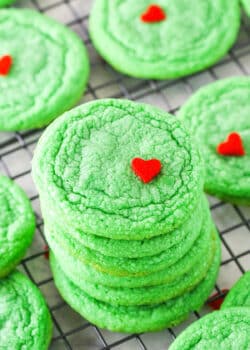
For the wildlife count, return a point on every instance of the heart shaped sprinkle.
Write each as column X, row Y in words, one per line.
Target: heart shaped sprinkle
column 46, row 252
column 146, row 170
column 217, row 299
column 233, row 146
column 5, row 64
column 154, row 13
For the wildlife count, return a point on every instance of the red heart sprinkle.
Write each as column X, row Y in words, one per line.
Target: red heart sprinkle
column 154, row 13
column 5, row 64
column 46, row 252
column 146, row 169
column 217, row 299
column 233, row 146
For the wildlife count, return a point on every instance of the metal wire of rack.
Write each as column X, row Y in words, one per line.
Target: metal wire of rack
column 16, row 150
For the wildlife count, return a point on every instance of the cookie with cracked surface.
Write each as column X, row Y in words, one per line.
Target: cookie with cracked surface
column 239, row 295
column 84, row 160
column 215, row 113
column 192, row 36
column 17, row 225
column 246, row 5
column 136, row 319
column 188, row 231
column 24, row 317
column 145, row 295
column 37, row 88
column 227, row 329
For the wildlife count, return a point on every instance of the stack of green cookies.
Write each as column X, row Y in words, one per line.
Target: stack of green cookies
column 133, row 247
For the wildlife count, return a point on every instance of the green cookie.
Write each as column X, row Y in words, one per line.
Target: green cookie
column 145, row 295
column 76, row 266
column 246, row 5
column 220, row 330
column 17, row 225
column 194, row 35
column 211, row 114
column 125, row 266
column 239, row 295
column 24, row 317
column 136, row 319
column 188, row 232
column 49, row 70
column 6, row 2
column 83, row 162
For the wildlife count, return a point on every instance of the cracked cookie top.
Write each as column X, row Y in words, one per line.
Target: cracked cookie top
column 24, row 317
column 48, row 73
column 227, row 329
column 190, row 36
column 82, row 168
column 213, row 115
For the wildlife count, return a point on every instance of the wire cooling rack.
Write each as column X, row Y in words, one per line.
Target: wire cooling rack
column 16, row 149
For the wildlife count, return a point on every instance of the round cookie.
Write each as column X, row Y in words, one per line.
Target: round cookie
column 146, row 295
column 17, row 225
column 192, row 36
column 24, row 317
column 246, row 5
column 211, row 115
column 136, row 319
column 76, row 153
column 239, row 295
column 48, row 73
column 6, row 2
column 189, row 231
column 227, row 329
column 125, row 266
column 76, row 266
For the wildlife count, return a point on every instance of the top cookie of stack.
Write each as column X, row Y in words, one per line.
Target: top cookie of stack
column 121, row 192
column 83, row 167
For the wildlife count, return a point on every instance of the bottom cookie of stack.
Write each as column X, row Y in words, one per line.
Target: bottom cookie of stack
column 136, row 318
